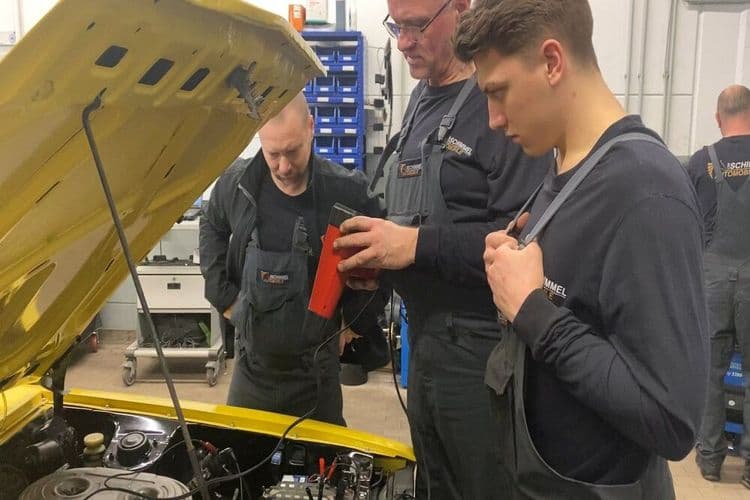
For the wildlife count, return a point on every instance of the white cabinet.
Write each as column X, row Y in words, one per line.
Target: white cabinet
column 175, row 296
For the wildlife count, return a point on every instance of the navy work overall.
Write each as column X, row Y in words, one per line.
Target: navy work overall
column 277, row 339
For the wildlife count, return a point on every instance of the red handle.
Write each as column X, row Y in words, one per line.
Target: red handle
column 329, row 283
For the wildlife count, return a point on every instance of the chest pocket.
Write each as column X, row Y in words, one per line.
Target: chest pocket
column 404, row 191
column 275, row 280
column 275, row 287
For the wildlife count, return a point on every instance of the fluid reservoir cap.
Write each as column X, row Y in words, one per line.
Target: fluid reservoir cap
column 93, row 440
column 133, row 448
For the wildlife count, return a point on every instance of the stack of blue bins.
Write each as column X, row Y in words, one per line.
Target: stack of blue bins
column 336, row 100
column 734, row 387
column 404, row 333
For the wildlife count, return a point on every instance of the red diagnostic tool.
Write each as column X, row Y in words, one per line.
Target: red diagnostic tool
column 329, row 282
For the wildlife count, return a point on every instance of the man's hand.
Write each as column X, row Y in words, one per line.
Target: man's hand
column 362, row 284
column 228, row 312
column 345, row 338
column 512, row 273
column 494, row 240
column 383, row 244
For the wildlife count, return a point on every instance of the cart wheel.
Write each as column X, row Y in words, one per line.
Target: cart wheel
column 94, row 342
column 211, row 376
column 128, row 373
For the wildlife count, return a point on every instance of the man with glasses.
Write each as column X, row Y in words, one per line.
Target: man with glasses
column 450, row 182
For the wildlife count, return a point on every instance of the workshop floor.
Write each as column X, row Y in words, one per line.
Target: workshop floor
column 372, row 407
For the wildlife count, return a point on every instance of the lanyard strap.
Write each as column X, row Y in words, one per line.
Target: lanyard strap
column 406, row 128
column 573, row 183
column 446, row 122
column 718, row 173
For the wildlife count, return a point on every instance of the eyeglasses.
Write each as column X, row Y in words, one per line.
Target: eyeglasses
column 410, row 31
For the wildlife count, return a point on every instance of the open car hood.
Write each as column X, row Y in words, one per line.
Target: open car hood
column 168, row 124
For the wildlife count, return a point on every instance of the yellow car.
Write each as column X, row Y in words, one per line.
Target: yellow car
column 152, row 99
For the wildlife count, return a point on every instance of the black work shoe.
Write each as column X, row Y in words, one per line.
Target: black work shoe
column 710, row 472
column 352, row 374
column 746, row 475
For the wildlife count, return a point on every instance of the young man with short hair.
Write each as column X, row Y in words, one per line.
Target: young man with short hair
column 601, row 373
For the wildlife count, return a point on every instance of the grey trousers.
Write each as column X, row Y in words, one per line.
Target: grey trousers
column 728, row 295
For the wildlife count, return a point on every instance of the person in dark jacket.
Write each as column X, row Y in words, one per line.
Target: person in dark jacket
column 260, row 241
column 451, row 181
column 720, row 174
column 601, row 374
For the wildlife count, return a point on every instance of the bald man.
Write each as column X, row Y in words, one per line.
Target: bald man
column 260, row 240
column 720, row 174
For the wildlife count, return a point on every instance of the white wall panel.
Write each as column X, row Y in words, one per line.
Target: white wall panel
column 9, row 20
column 32, row 11
column 718, row 61
column 8, row 15
column 685, row 43
column 610, row 40
column 658, row 24
column 678, row 137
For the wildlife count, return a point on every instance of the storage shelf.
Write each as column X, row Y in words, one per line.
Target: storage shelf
column 336, row 100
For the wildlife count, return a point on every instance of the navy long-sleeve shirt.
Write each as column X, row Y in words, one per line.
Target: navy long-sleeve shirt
column 618, row 337
column 485, row 179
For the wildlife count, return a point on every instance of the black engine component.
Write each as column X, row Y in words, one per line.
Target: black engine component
column 146, row 454
column 133, row 448
column 13, row 480
column 138, row 442
column 52, row 445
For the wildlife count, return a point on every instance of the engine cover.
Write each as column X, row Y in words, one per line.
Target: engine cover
column 79, row 483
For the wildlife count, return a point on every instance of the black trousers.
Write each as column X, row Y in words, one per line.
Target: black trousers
column 290, row 390
column 227, row 330
column 454, row 434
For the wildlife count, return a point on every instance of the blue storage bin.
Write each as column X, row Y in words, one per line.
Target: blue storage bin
column 325, row 85
column 404, row 347
column 734, row 385
column 325, row 114
column 325, row 145
column 348, row 54
column 349, row 146
column 346, row 84
column 325, row 54
column 733, row 378
column 350, row 162
column 347, row 114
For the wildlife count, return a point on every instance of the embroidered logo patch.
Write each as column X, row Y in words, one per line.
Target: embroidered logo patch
column 273, row 278
column 458, row 147
column 409, row 169
column 556, row 293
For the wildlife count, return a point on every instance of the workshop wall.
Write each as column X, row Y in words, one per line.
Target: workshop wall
column 665, row 59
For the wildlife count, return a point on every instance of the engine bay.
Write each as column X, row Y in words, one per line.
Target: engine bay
column 84, row 453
